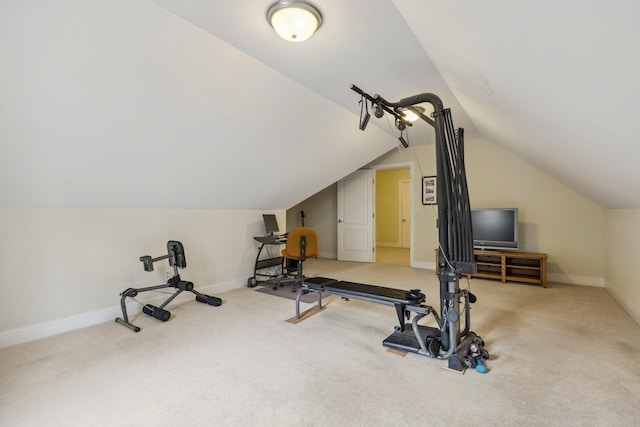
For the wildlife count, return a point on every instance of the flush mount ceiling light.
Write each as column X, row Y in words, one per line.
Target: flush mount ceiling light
column 294, row 21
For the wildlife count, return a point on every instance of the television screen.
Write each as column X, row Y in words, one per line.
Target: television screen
column 270, row 223
column 495, row 228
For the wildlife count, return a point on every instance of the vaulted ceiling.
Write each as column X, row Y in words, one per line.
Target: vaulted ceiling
column 199, row 104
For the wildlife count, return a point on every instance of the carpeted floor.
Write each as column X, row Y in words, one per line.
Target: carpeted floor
column 562, row 356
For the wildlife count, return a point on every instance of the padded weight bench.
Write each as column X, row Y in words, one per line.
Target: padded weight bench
column 403, row 300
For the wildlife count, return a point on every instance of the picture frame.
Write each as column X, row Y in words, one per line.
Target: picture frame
column 429, row 190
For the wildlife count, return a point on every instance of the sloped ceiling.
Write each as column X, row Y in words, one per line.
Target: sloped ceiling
column 198, row 104
column 555, row 82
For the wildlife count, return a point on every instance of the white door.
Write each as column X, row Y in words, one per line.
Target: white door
column 405, row 213
column 355, row 217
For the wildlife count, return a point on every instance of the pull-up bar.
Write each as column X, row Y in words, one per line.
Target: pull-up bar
column 380, row 104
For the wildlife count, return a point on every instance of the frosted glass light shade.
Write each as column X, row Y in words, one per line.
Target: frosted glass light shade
column 294, row 21
column 409, row 115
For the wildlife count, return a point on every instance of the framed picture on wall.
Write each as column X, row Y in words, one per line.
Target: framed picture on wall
column 429, row 194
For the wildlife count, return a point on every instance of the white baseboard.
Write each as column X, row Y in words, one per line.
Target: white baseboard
column 576, row 280
column 55, row 327
column 43, row 330
column 423, row 264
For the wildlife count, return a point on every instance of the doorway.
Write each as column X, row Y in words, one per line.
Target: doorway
column 393, row 218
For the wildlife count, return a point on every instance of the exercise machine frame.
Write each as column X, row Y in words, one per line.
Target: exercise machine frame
column 177, row 259
column 455, row 241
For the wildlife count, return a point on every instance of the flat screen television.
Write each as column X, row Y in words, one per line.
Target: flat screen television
column 495, row 228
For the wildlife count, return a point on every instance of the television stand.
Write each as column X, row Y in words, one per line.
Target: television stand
column 509, row 266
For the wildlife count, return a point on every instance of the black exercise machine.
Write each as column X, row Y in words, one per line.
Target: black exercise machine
column 399, row 298
column 416, row 339
column 462, row 348
column 177, row 260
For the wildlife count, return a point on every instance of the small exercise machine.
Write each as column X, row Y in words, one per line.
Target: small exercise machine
column 176, row 257
column 462, row 348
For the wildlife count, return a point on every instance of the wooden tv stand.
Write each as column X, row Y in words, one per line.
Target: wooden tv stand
column 507, row 266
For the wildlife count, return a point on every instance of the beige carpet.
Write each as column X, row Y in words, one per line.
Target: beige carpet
column 562, row 356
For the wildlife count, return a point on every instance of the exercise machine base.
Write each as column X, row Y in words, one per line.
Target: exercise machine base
column 407, row 341
column 468, row 354
column 428, row 342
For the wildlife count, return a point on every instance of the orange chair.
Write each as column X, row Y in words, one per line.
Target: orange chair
column 302, row 243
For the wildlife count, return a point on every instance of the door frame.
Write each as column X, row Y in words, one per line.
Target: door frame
column 411, row 166
column 401, row 183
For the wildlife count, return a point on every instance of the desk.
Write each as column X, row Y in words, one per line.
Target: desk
column 262, row 264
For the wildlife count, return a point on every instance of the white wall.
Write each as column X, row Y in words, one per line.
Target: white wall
column 321, row 214
column 554, row 219
column 65, row 268
column 622, row 255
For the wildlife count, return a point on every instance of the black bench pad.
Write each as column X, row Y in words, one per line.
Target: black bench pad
column 364, row 291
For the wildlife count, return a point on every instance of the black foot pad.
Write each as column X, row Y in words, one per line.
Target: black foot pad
column 156, row 312
column 215, row 301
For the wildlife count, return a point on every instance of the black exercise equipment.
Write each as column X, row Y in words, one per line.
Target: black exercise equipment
column 176, row 257
column 400, row 299
column 455, row 245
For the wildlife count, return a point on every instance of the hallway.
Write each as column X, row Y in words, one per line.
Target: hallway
column 390, row 255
